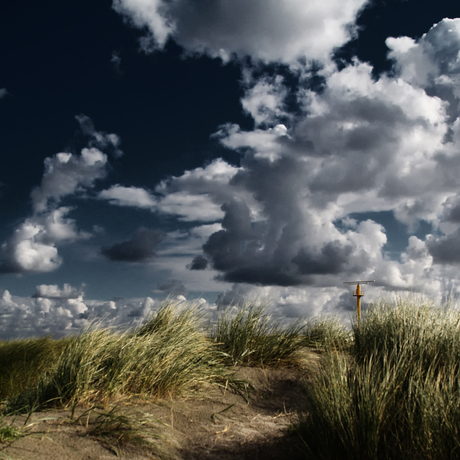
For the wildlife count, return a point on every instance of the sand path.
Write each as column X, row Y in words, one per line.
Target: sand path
column 212, row 424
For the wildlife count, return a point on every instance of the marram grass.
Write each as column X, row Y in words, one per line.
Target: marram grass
column 389, row 389
column 171, row 352
column 327, row 334
column 168, row 354
column 23, row 361
column 395, row 394
column 246, row 334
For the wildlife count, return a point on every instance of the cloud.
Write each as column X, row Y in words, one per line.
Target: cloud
column 116, row 61
column 175, row 256
column 46, row 291
column 288, row 303
column 3, row 92
column 197, row 195
column 140, row 248
column 198, row 263
column 173, row 287
column 59, row 311
column 22, row 253
column 363, row 144
column 151, row 14
column 190, row 207
column 432, row 61
column 295, row 214
column 54, row 315
column 33, row 245
column 128, row 196
column 266, row 30
column 108, row 142
column 66, row 174
column 264, row 98
column 445, row 250
column 332, row 258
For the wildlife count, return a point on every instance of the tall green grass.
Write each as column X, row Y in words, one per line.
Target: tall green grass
column 396, row 393
column 247, row 335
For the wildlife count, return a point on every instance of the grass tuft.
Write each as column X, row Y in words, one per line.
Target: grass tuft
column 168, row 354
column 327, row 334
column 396, row 393
column 248, row 335
column 24, row 361
column 117, row 431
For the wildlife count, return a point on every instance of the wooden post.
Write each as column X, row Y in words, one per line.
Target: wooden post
column 358, row 294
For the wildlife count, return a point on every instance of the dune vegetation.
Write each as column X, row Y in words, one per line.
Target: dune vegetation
column 171, row 352
column 395, row 392
column 386, row 388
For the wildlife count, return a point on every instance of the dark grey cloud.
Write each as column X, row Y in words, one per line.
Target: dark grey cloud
column 347, row 302
column 454, row 214
column 173, row 287
column 241, row 254
column 331, row 259
column 198, row 263
column 451, row 210
column 445, row 250
column 238, row 294
column 140, row 248
column 235, row 248
column 262, row 275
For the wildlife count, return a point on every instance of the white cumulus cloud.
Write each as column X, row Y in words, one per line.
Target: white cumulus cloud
column 33, row 245
column 266, row 30
column 59, row 311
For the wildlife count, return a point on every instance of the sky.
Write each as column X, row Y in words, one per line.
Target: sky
column 224, row 150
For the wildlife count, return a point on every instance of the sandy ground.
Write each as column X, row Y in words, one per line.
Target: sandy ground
column 212, row 424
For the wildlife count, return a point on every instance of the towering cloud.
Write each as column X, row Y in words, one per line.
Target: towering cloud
column 319, row 165
column 295, row 212
column 432, row 62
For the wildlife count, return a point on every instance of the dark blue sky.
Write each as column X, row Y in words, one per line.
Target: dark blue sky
column 273, row 145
